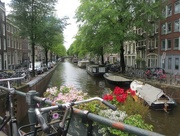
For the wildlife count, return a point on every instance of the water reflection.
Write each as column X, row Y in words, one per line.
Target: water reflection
column 165, row 123
column 68, row 73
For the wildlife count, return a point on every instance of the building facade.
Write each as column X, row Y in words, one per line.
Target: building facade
column 3, row 47
column 169, row 37
column 161, row 48
column 14, row 45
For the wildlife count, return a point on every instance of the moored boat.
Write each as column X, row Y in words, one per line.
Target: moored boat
column 75, row 60
column 117, row 80
column 153, row 96
column 83, row 63
column 96, row 70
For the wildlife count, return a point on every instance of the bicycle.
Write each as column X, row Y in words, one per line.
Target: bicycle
column 9, row 117
column 60, row 125
column 39, row 123
column 42, row 124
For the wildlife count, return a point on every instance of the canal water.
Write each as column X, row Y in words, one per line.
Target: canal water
column 68, row 73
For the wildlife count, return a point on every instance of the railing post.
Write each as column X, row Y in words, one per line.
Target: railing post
column 32, row 105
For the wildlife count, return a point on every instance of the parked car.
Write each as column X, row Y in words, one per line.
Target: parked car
column 50, row 65
column 38, row 67
column 45, row 67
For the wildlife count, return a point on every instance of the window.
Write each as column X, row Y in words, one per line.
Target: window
column 163, row 45
column 169, row 44
column 4, row 44
column 169, row 63
column 177, row 7
column 134, row 47
column 164, row 12
column 3, row 26
column 7, row 27
column 176, row 63
column 169, row 10
column 163, row 29
column 156, row 27
column 0, row 62
column 0, row 44
column 3, row 16
column 169, row 27
column 176, row 43
column 156, row 42
column 8, row 41
column 152, row 44
column 176, row 26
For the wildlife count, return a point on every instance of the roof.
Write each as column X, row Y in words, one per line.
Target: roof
column 146, row 91
column 150, row 93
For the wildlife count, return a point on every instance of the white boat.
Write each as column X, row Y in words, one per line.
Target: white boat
column 153, row 96
column 83, row 63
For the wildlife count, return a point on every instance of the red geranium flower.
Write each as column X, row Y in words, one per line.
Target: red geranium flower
column 132, row 92
column 118, row 91
column 120, row 99
column 108, row 97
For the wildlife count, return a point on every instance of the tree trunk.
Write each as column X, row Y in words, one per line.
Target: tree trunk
column 122, row 63
column 46, row 55
column 33, row 54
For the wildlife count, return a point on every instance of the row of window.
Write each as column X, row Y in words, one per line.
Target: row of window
column 168, row 10
column 11, row 28
column 167, row 44
column 166, row 28
column 13, row 43
column 131, row 47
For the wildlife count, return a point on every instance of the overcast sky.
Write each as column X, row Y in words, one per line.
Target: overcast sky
column 64, row 8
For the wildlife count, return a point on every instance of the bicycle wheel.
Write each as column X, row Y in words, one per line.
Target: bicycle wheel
column 3, row 131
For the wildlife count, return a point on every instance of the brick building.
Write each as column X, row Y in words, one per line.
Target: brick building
column 162, row 47
column 169, row 37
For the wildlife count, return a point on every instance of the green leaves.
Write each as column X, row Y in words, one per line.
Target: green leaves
column 107, row 24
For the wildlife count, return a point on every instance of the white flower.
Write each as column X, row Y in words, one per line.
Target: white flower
column 113, row 115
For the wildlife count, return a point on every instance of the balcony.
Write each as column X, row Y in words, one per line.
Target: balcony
column 142, row 47
column 151, row 49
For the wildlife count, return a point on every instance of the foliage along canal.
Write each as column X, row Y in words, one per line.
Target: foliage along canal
column 68, row 73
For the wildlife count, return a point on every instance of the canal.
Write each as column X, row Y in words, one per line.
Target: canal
column 68, row 73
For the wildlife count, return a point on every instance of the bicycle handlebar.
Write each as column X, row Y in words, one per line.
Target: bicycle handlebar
column 97, row 98
column 68, row 104
column 42, row 121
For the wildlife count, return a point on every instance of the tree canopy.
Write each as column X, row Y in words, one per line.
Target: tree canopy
column 36, row 22
column 106, row 24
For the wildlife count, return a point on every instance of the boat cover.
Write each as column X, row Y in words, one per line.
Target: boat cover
column 148, row 92
column 115, row 77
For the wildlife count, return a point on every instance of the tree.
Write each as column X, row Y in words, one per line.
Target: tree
column 108, row 23
column 28, row 15
column 51, row 33
column 59, row 50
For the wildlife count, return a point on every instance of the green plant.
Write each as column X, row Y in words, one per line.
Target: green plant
column 129, row 110
column 125, row 101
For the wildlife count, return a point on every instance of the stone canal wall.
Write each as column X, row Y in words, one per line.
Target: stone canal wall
column 39, row 84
